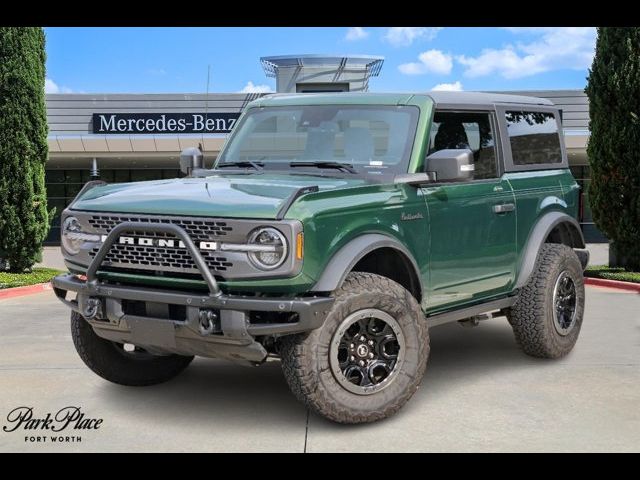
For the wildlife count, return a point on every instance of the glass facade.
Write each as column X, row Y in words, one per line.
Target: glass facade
column 64, row 185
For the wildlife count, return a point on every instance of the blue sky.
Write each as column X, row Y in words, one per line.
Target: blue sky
column 154, row 60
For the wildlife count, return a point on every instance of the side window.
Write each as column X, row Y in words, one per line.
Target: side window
column 470, row 130
column 534, row 137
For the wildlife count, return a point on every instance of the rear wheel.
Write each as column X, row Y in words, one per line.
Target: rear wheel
column 547, row 316
column 123, row 363
column 368, row 358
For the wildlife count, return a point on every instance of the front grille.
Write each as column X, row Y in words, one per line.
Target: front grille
column 165, row 259
column 162, row 259
column 199, row 229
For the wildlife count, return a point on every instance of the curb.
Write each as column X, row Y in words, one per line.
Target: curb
column 617, row 284
column 26, row 290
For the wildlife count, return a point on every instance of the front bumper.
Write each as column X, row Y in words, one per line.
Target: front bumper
column 232, row 335
column 164, row 321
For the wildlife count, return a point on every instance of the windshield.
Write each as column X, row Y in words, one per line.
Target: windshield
column 372, row 140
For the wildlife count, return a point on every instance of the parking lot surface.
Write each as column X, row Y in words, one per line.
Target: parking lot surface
column 480, row 393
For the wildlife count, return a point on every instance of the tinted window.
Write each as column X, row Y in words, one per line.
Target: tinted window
column 470, row 130
column 534, row 138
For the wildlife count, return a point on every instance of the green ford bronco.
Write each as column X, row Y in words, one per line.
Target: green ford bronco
column 333, row 231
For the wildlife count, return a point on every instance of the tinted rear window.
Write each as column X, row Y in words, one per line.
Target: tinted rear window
column 534, row 138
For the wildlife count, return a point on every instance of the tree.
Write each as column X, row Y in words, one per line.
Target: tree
column 613, row 88
column 24, row 220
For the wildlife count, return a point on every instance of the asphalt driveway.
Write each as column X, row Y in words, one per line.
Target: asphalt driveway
column 480, row 393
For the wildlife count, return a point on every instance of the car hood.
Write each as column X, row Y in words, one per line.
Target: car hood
column 240, row 196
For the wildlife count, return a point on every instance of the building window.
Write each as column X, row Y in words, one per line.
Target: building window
column 63, row 186
column 582, row 174
column 534, row 138
column 321, row 87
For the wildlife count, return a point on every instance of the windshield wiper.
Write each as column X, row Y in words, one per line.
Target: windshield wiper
column 241, row 164
column 346, row 167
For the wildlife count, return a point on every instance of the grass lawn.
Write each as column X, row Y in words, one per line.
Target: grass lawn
column 609, row 273
column 38, row 275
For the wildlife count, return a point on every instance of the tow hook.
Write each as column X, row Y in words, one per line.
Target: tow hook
column 92, row 307
column 208, row 322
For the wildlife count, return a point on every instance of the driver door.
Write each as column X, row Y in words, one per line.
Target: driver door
column 472, row 248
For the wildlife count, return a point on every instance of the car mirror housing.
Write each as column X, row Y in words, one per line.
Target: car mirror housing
column 451, row 165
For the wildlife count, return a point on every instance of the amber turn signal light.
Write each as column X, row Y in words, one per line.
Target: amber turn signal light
column 299, row 246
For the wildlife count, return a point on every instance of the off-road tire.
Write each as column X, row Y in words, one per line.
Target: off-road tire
column 532, row 315
column 306, row 364
column 103, row 357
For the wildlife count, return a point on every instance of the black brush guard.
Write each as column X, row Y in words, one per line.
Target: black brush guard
column 214, row 324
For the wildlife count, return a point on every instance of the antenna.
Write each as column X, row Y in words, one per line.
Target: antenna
column 206, row 112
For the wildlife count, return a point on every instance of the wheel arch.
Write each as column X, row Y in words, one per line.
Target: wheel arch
column 372, row 253
column 553, row 227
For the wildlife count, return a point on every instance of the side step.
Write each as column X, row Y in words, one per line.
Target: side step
column 469, row 312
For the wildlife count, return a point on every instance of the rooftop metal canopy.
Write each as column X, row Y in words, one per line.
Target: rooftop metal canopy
column 371, row 64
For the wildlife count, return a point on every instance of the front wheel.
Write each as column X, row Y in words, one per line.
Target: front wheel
column 547, row 316
column 368, row 358
column 115, row 362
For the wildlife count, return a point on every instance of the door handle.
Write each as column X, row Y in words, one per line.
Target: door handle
column 504, row 208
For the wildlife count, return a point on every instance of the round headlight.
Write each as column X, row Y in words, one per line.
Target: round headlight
column 269, row 248
column 70, row 230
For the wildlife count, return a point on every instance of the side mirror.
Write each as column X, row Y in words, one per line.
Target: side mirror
column 190, row 159
column 455, row 165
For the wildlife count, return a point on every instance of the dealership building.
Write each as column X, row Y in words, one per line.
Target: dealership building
column 133, row 137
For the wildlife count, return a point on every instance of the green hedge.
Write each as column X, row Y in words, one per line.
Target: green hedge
column 38, row 275
column 612, row 273
column 614, row 111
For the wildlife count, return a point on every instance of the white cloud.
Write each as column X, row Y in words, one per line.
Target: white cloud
column 251, row 88
column 52, row 87
column 404, row 36
column 554, row 48
column 431, row 61
column 356, row 33
column 449, row 87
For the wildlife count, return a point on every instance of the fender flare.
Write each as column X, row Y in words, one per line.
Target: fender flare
column 350, row 254
column 538, row 235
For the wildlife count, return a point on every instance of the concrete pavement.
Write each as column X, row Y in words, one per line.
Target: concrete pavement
column 598, row 253
column 52, row 258
column 480, row 393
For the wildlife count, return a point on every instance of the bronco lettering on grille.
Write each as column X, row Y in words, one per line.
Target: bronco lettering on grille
column 161, row 242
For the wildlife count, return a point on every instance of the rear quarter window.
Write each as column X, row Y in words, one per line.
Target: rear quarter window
column 534, row 137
